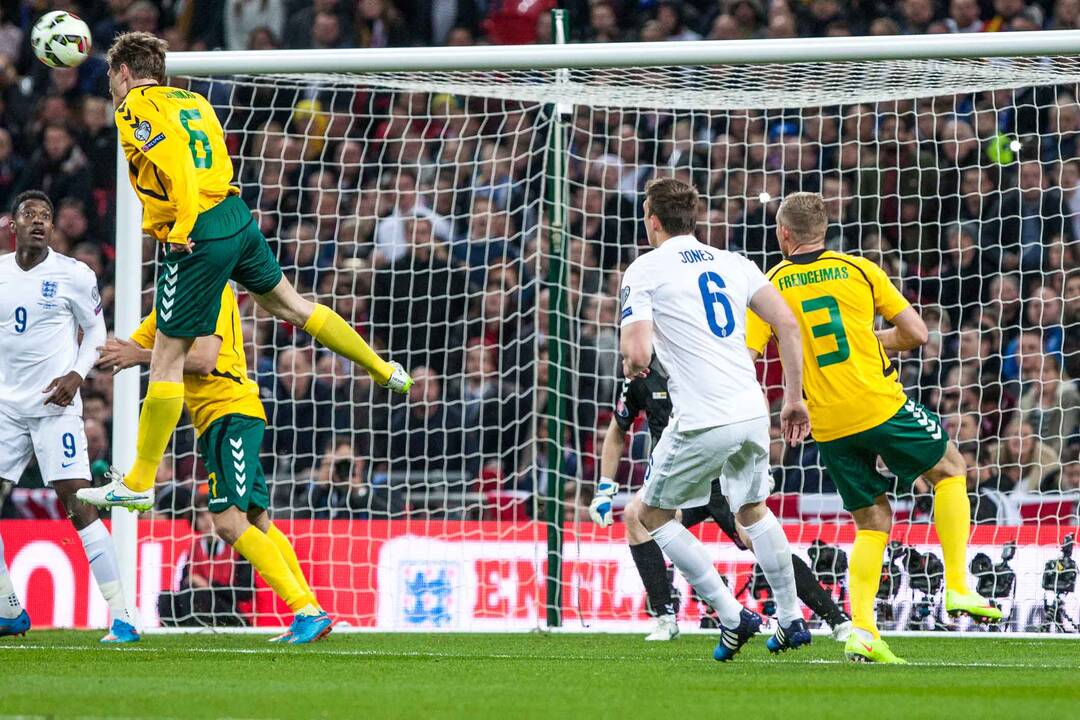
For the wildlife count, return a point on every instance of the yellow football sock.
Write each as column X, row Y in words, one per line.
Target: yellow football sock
column 331, row 330
column 952, row 520
column 160, row 412
column 864, row 569
column 263, row 554
column 285, row 548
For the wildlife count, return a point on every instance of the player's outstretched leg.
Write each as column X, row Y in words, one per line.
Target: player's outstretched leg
column 807, row 586
column 952, row 520
column 330, row 329
column 773, row 554
column 864, row 570
column 649, row 560
column 14, row 620
column 737, row 624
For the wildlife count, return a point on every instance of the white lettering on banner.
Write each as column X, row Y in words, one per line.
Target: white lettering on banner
column 47, row 556
column 428, row 583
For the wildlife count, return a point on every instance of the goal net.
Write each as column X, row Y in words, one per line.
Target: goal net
column 474, row 225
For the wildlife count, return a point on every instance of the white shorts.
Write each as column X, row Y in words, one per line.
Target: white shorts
column 59, row 441
column 683, row 465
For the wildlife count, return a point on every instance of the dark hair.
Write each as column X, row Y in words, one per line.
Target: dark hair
column 143, row 53
column 31, row 195
column 674, row 203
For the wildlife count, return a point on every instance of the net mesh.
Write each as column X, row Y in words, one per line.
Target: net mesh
column 722, row 87
column 419, row 207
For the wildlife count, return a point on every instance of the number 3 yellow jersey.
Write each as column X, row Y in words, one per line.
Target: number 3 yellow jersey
column 849, row 382
column 176, row 155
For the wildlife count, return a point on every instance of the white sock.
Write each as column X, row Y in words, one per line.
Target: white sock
column 690, row 556
column 774, row 556
column 10, row 607
column 102, row 556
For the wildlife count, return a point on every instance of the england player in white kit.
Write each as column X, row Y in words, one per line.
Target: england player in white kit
column 689, row 301
column 45, row 300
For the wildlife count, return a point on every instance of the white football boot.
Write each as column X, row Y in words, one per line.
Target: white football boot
column 666, row 629
column 116, row 494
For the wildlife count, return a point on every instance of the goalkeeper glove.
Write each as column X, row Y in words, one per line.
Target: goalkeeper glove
column 600, row 509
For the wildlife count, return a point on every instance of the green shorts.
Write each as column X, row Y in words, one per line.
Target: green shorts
column 911, row 442
column 228, row 245
column 230, row 450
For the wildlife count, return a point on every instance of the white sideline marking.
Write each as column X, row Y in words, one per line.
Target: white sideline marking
column 494, row 656
column 576, row 630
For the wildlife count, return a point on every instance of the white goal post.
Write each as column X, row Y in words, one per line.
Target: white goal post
column 694, row 86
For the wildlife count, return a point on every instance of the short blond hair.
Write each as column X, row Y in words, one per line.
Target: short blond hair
column 803, row 213
column 143, row 53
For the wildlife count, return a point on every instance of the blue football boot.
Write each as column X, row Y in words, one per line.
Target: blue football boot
column 792, row 637
column 310, row 628
column 732, row 639
column 121, row 632
column 15, row 626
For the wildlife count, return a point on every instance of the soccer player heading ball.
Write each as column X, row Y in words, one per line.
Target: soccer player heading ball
column 858, row 410
column 181, row 171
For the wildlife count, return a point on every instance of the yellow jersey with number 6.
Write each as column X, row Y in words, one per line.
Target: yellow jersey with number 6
column 176, row 155
column 849, row 382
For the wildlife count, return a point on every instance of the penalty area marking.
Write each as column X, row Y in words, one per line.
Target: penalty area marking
column 787, row 660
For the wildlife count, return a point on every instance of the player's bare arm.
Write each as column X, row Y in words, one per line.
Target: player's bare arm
column 794, row 417
column 119, row 354
column 636, row 347
column 908, row 331
column 612, row 450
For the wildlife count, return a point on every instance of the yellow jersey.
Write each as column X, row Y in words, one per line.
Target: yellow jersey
column 226, row 391
column 176, row 155
column 849, row 382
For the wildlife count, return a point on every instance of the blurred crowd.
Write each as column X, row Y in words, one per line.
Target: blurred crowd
column 422, row 218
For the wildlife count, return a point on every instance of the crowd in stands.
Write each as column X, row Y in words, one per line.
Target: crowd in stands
column 421, row 218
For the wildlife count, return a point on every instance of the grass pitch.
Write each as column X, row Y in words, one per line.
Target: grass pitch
column 69, row 674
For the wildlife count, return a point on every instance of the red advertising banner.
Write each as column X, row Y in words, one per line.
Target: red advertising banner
column 458, row 575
